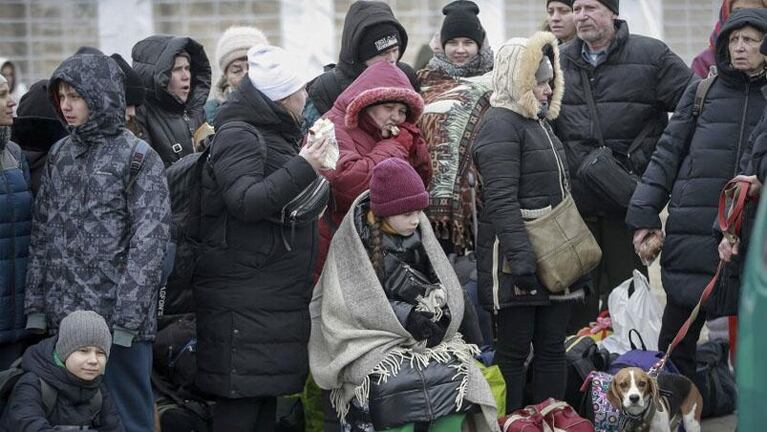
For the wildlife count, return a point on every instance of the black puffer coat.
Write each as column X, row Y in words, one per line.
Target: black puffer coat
column 26, row 410
column 325, row 89
column 518, row 158
column 163, row 119
column 639, row 83
column 253, row 294
column 692, row 173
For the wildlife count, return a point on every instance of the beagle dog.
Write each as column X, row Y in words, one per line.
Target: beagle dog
column 655, row 405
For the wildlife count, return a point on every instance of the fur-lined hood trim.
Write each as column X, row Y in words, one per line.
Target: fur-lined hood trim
column 381, row 82
column 516, row 62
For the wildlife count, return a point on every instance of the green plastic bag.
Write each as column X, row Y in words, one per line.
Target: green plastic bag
column 312, row 400
column 497, row 385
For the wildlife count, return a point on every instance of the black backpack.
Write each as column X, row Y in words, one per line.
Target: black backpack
column 714, row 380
column 185, row 185
column 9, row 378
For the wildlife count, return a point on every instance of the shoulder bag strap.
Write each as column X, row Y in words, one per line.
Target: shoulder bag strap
column 596, row 127
column 49, row 396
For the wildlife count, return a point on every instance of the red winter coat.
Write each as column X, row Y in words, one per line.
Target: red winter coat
column 361, row 145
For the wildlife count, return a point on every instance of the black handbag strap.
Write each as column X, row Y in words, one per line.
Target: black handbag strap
column 631, row 340
column 595, row 125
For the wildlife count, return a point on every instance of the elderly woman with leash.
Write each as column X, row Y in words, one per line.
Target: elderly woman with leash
column 697, row 154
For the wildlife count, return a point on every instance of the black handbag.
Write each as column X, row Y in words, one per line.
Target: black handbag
column 604, row 175
column 607, row 177
column 307, row 206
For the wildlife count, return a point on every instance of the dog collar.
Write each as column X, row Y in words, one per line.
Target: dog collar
column 637, row 422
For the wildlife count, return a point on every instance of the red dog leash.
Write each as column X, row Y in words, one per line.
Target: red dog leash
column 732, row 203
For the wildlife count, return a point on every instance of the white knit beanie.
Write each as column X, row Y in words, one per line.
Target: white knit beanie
column 235, row 42
column 275, row 72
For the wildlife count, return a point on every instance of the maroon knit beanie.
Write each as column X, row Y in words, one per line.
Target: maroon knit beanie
column 395, row 188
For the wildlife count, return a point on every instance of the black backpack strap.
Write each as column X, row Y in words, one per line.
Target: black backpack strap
column 700, row 95
column 138, row 156
column 94, row 406
column 49, row 396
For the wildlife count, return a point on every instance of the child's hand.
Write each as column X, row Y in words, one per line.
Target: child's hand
column 421, row 326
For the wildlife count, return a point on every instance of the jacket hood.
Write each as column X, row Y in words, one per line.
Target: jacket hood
column 361, row 16
column 153, row 59
column 39, row 360
column 516, row 62
column 756, row 18
column 381, row 82
column 37, row 126
column 99, row 81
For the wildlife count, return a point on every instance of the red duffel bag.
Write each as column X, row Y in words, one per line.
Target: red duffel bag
column 550, row 415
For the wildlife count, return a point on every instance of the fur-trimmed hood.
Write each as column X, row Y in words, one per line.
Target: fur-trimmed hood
column 516, row 62
column 381, row 82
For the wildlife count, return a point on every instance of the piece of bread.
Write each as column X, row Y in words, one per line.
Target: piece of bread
column 322, row 129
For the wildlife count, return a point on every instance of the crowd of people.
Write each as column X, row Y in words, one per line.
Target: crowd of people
column 380, row 276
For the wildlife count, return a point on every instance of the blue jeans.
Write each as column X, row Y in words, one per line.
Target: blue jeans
column 128, row 379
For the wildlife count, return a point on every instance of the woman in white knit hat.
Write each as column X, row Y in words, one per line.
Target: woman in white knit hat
column 253, row 279
column 232, row 60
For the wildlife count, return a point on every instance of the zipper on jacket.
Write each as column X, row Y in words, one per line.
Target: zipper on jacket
column 9, row 200
column 496, row 282
column 429, row 409
column 742, row 127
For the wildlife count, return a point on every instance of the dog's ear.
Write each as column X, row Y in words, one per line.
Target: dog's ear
column 614, row 394
column 653, row 390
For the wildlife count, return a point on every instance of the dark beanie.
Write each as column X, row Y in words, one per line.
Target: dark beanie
column 396, row 188
column 461, row 21
column 37, row 126
column 377, row 39
column 567, row 2
column 613, row 5
column 134, row 89
column 763, row 47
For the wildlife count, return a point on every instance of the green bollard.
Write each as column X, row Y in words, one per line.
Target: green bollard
column 750, row 372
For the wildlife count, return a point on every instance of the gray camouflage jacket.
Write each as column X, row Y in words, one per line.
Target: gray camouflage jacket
column 97, row 244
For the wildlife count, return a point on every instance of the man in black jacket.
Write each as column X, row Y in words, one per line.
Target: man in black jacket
column 635, row 81
column 176, row 76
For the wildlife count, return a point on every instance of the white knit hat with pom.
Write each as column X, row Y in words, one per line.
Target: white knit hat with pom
column 235, row 42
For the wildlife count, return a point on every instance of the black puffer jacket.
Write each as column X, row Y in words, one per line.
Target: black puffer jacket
column 692, row 173
column 26, row 410
column 518, row 158
column 163, row 119
column 253, row 319
column 325, row 89
column 639, row 83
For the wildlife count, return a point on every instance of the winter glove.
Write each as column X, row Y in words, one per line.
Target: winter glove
column 528, row 282
column 420, row 325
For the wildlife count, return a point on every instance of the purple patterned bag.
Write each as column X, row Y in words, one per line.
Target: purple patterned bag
column 605, row 415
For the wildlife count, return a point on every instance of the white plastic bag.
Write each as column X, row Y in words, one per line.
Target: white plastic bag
column 640, row 311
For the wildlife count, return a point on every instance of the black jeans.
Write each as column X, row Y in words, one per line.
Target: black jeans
column 245, row 415
column 544, row 327
column 683, row 356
